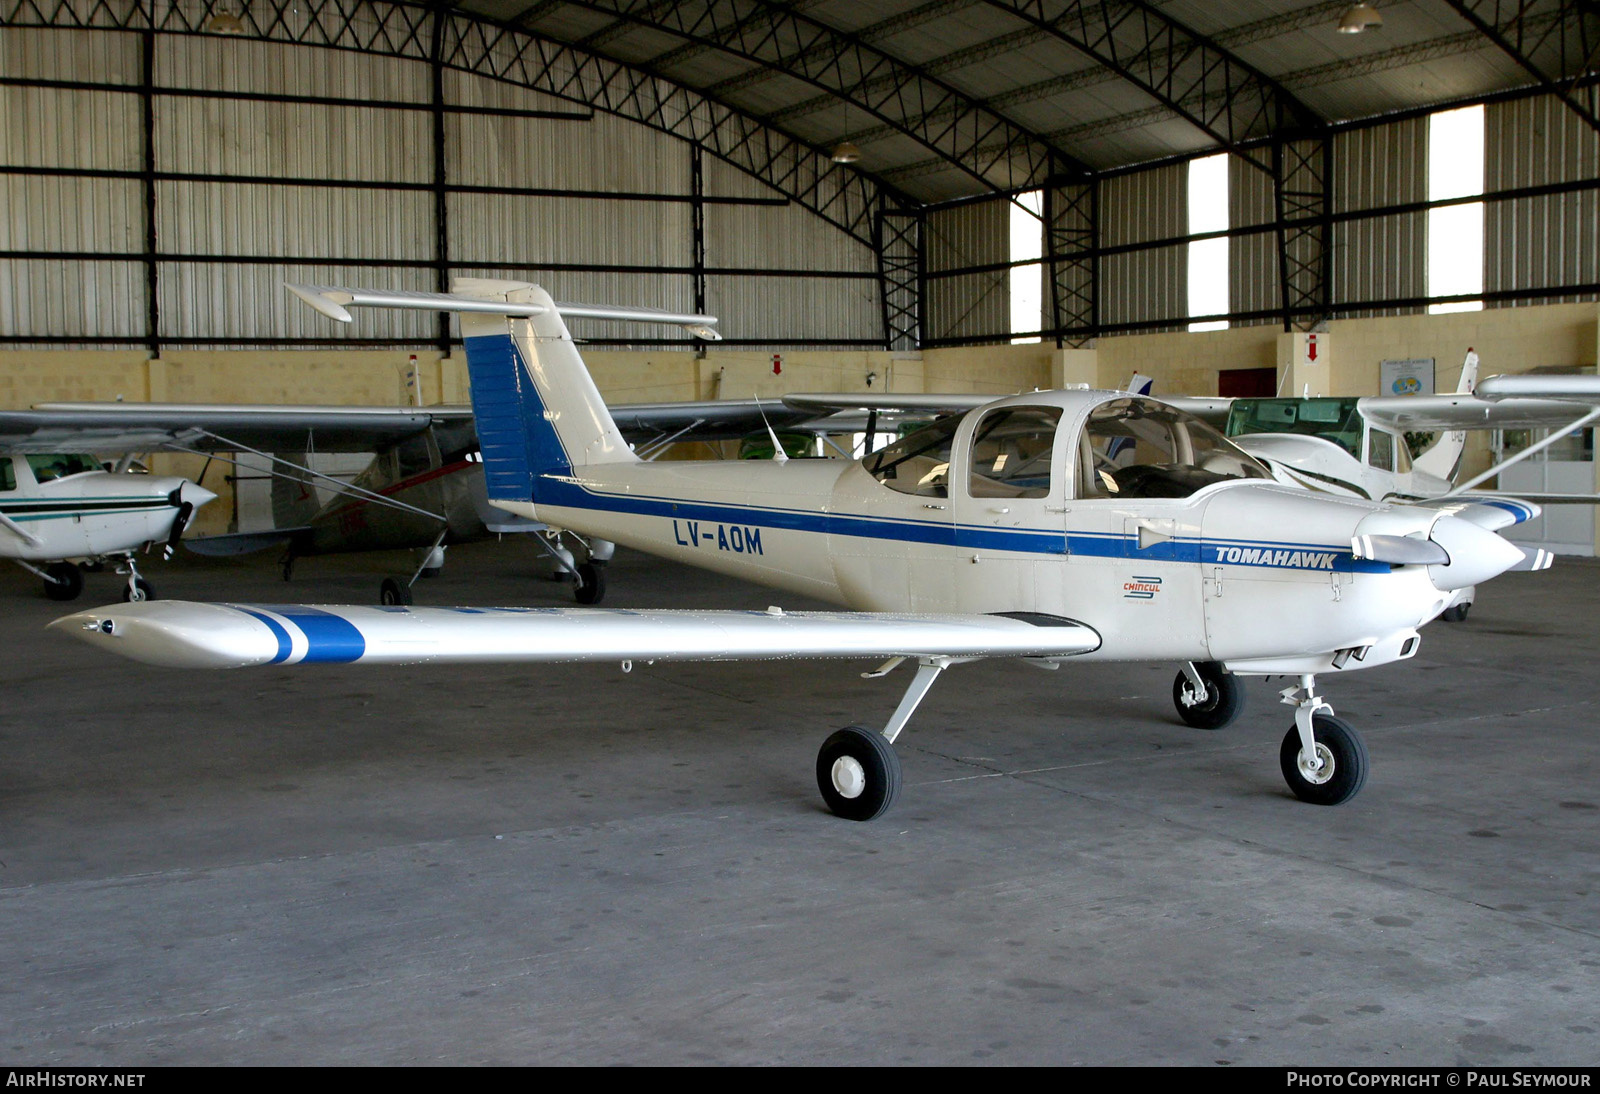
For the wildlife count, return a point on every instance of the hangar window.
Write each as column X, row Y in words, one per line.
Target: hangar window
column 1208, row 258
column 1027, row 281
column 919, row 463
column 1011, row 453
column 1139, row 448
column 1455, row 232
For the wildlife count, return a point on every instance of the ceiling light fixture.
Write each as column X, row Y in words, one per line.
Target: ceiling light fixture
column 224, row 21
column 1360, row 17
column 846, row 152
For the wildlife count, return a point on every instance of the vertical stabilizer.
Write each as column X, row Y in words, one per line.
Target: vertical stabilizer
column 1444, row 458
column 538, row 411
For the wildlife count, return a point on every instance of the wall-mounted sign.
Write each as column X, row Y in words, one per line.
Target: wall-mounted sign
column 1413, row 376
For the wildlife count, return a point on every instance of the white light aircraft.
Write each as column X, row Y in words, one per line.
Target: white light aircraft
column 1008, row 532
column 61, row 510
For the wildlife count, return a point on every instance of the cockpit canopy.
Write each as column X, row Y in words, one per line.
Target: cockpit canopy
column 1128, row 448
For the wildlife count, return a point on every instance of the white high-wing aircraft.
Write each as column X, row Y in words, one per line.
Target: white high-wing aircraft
column 60, row 509
column 1007, row 532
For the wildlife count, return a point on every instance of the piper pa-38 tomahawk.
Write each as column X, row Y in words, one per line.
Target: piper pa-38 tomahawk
column 62, row 509
column 1005, row 533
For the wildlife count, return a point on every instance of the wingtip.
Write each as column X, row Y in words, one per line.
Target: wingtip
column 321, row 301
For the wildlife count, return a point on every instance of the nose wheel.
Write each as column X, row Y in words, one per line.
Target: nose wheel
column 1323, row 759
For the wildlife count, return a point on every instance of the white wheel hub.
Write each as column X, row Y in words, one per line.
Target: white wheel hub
column 1317, row 771
column 849, row 777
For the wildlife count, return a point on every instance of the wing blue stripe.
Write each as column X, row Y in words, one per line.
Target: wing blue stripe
column 330, row 639
column 284, row 644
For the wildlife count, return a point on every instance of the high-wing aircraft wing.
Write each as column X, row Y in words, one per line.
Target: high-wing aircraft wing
column 141, row 427
column 1474, row 410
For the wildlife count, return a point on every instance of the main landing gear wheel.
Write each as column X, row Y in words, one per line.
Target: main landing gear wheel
column 1343, row 768
column 591, row 586
column 392, row 594
column 1223, row 702
column 139, row 589
column 858, row 773
column 1457, row 614
column 63, row 581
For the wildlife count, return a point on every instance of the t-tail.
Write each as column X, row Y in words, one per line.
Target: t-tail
column 538, row 411
column 1443, row 460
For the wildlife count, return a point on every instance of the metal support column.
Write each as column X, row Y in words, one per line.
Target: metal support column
column 1302, row 171
column 898, row 238
column 147, row 170
column 1072, row 254
column 441, row 195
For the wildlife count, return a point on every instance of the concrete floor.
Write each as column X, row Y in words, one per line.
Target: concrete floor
column 570, row 865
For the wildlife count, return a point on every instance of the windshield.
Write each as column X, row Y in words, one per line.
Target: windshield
column 1139, row 448
column 1335, row 420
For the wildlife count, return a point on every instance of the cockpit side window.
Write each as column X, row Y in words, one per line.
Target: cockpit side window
column 918, row 463
column 1011, row 453
column 1380, row 450
column 8, row 475
column 58, row 465
column 1140, row 448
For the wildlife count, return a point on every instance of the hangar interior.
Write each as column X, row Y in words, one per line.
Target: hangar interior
column 841, row 184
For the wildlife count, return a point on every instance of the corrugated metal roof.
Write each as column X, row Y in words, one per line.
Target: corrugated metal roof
column 986, row 56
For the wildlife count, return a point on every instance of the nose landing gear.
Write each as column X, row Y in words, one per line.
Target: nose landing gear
column 1324, row 760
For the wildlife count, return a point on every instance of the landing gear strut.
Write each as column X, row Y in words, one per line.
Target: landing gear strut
column 1207, row 695
column 393, row 593
column 1324, row 760
column 62, row 580
column 858, row 771
column 137, row 589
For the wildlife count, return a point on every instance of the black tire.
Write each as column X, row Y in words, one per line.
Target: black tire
column 1224, row 697
column 591, row 585
column 1341, row 748
column 145, row 591
column 63, row 581
column 1457, row 614
column 858, row 772
column 392, row 594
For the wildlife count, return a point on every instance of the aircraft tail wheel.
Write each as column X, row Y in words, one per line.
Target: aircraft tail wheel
column 1224, row 699
column 63, row 581
column 1343, row 768
column 591, row 586
column 138, row 590
column 393, row 594
column 858, row 773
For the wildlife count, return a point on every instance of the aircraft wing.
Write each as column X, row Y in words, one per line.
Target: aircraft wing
column 885, row 402
column 145, row 427
column 109, row 428
column 180, row 634
column 1500, row 402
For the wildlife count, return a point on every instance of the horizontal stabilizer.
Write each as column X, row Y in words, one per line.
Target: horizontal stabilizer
column 240, row 543
column 180, row 634
column 335, row 302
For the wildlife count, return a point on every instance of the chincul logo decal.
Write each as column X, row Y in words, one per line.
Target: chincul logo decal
column 1141, row 588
